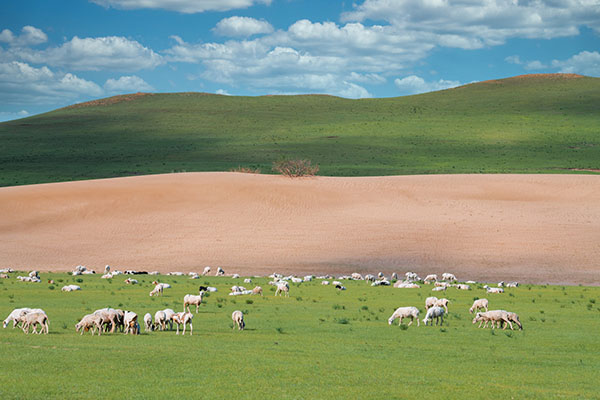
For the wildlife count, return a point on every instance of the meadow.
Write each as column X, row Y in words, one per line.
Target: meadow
column 536, row 124
column 318, row 343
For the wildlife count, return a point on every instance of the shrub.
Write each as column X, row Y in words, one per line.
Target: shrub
column 248, row 301
column 245, row 170
column 295, row 168
column 51, row 287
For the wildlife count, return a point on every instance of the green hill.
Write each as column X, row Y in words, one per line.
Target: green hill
column 527, row 124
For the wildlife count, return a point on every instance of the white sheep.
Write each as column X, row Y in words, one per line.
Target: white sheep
column 89, row 322
column 493, row 289
column 191, row 299
column 479, row 304
column 434, row 312
column 35, row 319
column 446, row 276
column 157, row 291
column 15, row 315
column 325, row 283
column 411, row 276
column 369, row 278
column 247, row 280
column 130, row 320
column 220, row 272
column 512, row 284
column 183, row 318
column 462, row 286
column 238, row 319
column 148, row 322
column 442, row 303
column 439, row 289
column 494, row 316
column 430, row 278
column 206, row 271
column 430, row 302
column 356, row 276
column 70, row 288
column 257, row 290
column 160, row 320
column 405, row 312
column 131, row 281
column 406, row 285
column 283, row 287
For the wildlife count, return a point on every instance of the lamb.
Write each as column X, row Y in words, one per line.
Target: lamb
column 158, row 290
column 446, row 276
column 257, row 290
column 434, row 312
column 148, row 322
column 493, row 289
column 35, row 319
column 495, row 316
column 430, row 278
column 89, row 321
column 405, row 312
column 70, row 288
column 283, row 286
column 15, row 315
column 430, row 302
column 130, row 321
column 183, row 318
column 190, row 299
column 238, row 319
column 479, row 304
column 442, row 303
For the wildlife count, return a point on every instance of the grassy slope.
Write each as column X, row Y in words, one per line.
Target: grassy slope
column 517, row 125
column 297, row 348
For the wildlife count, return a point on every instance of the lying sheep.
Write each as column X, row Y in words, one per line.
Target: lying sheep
column 325, row 283
column 405, row 312
column 406, row 285
column 70, row 288
column 479, row 304
column 462, row 286
column 238, row 319
column 493, row 289
column 247, row 280
column 191, row 299
column 148, row 322
column 439, row 289
column 35, row 319
column 434, row 312
column 183, row 318
column 512, row 284
column 442, row 303
column 89, row 322
column 130, row 281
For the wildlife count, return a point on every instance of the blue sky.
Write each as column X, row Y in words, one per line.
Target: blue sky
column 56, row 53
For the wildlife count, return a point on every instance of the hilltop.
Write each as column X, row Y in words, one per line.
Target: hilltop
column 526, row 124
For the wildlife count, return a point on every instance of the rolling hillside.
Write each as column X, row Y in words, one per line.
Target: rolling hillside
column 527, row 124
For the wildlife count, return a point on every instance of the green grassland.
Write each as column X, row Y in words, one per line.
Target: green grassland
column 318, row 343
column 543, row 124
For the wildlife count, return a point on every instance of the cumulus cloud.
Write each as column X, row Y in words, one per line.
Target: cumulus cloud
column 242, row 27
column 474, row 24
column 10, row 115
column 584, row 63
column 414, row 84
column 535, row 65
column 30, row 36
column 20, row 83
column 182, row 6
column 94, row 54
column 127, row 84
column 513, row 60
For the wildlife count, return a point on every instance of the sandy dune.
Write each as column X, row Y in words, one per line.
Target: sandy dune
column 531, row 228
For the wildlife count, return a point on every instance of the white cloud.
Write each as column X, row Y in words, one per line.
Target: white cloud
column 21, row 83
column 222, row 92
column 473, row 24
column 242, row 27
column 513, row 60
column 531, row 65
column 10, row 115
column 127, row 84
column 413, row 85
column 94, row 54
column 584, row 63
column 29, row 36
column 182, row 6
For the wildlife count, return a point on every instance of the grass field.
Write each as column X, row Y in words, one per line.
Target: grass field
column 545, row 124
column 318, row 343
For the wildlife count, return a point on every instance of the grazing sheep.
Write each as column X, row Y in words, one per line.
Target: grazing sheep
column 238, row 319
column 446, row 276
column 35, row 319
column 495, row 316
column 493, row 289
column 157, row 291
column 356, row 276
column 130, row 320
column 514, row 318
column 15, row 315
column 434, row 312
column 6, row 270
column 283, row 287
column 380, row 275
column 160, row 320
column 220, row 272
column 442, row 303
column 430, row 302
column 89, row 322
column 206, row 271
column 430, row 278
column 411, row 276
column 111, row 317
column 257, row 290
column 479, row 304
column 247, row 280
column 370, row 278
column 148, row 322
column 190, row 299
column 183, row 318
column 442, row 284
column 70, row 288
column 405, row 312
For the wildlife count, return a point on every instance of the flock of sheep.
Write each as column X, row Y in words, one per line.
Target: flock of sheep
column 109, row 320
